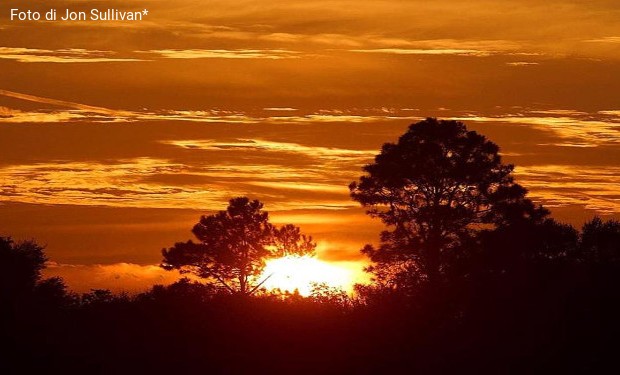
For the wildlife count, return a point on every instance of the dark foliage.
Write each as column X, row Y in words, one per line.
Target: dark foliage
column 519, row 293
column 21, row 283
column 435, row 189
column 533, row 298
column 234, row 245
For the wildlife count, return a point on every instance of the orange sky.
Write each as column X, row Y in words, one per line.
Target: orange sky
column 115, row 137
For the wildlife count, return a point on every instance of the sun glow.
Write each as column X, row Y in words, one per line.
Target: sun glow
column 301, row 272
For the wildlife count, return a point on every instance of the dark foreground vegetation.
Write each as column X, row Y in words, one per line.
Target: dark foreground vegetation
column 469, row 277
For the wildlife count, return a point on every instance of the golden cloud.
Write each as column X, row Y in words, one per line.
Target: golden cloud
column 70, row 55
column 274, row 54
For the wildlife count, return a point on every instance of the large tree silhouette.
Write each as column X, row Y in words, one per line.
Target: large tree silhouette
column 21, row 280
column 234, row 245
column 21, row 264
column 435, row 189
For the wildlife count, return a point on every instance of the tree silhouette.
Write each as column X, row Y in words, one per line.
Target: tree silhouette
column 600, row 242
column 21, row 265
column 512, row 254
column 234, row 245
column 22, row 286
column 288, row 240
column 435, row 189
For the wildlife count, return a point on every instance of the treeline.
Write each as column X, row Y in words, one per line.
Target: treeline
column 469, row 276
column 521, row 314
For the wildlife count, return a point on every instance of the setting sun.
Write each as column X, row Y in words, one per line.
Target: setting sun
column 309, row 187
column 301, row 272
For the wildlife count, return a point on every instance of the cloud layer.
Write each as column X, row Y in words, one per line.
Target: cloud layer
column 115, row 136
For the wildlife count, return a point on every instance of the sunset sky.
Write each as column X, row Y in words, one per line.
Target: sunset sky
column 116, row 136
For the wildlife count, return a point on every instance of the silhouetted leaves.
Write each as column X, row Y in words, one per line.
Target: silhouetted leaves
column 234, row 245
column 600, row 242
column 435, row 189
column 21, row 264
column 515, row 292
column 21, row 282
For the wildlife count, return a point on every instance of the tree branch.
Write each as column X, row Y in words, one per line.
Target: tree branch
column 259, row 285
column 230, row 289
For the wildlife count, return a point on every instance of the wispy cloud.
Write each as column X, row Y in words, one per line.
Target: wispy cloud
column 350, row 118
column 117, row 184
column 522, row 63
column 418, row 51
column 594, row 187
column 281, row 109
column 157, row 183
column 307, row 186
column 84, row 112
column 70, row 55
column 17, row 116
column 576, row 129
column 10, row 115
column 61, row 103
column 333, row 40
column 560, row 112
column 615, row 113
column 77, row 55
column 607, row 39
column 271, row 146
column 476, row 48
column 271, row 54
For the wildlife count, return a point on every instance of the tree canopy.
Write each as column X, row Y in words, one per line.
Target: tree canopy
column 435, row 189
column 21, row 278
column 234, row 244
column 480, row 276
column 21, row 264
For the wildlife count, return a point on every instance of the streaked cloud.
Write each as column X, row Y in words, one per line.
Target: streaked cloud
column 326, row 39
column 84, row 112
column 10, row 115
column 337, row 154
column 403, row 51
column 615, row 113
column 319, row 118
column 607, row 39
column 69, row 55
column 576, row 130
column 522, row 63
column 273, row 54
column 561, row 112
column 114, row 184
column 308, row 186
column 593, row 187
column 477, row 48
column 17, row 116
column 61, row 103
column 147, row 182
column 281, row 109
